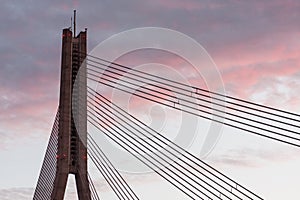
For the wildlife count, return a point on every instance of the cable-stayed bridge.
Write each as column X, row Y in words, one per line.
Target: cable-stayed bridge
column 71, row 145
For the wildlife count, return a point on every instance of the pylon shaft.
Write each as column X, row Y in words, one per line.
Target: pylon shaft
column 71, row 151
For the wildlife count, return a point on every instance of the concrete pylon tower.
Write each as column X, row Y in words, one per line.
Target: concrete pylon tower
column 71, row 151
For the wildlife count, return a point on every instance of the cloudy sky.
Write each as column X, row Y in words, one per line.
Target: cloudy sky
column 255, row 44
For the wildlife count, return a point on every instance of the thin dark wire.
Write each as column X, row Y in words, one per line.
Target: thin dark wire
column 185, row 151
column 46, row 178
column 254, row 109
column 114, row 170
column 93, row 187
column 167, row 142
column 147, row 164
column 110, row 171
column 191, row 102
column 215, row 120
column 148, row 144
column 169, row 163
column 142, row 160
column 162, row 159
column 105, row 169
column 283, row 135
column 97, row 148
column 190, row 92
column 200, row 89
column 106, row 177
column 105, row 173
column 80, row 176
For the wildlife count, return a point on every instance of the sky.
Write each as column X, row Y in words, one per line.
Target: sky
column 254, row 44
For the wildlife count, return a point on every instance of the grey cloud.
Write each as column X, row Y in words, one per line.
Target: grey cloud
column 250, row 157
column 16, row 193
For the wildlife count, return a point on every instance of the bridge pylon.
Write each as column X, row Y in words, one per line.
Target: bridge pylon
column 70, row 139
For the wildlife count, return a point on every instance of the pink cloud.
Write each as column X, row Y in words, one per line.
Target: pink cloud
column 186, row 5
column 270, row 48
column 25, row 111
column 244, row 78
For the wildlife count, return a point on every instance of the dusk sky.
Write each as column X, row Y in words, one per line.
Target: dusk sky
column 254, row 44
